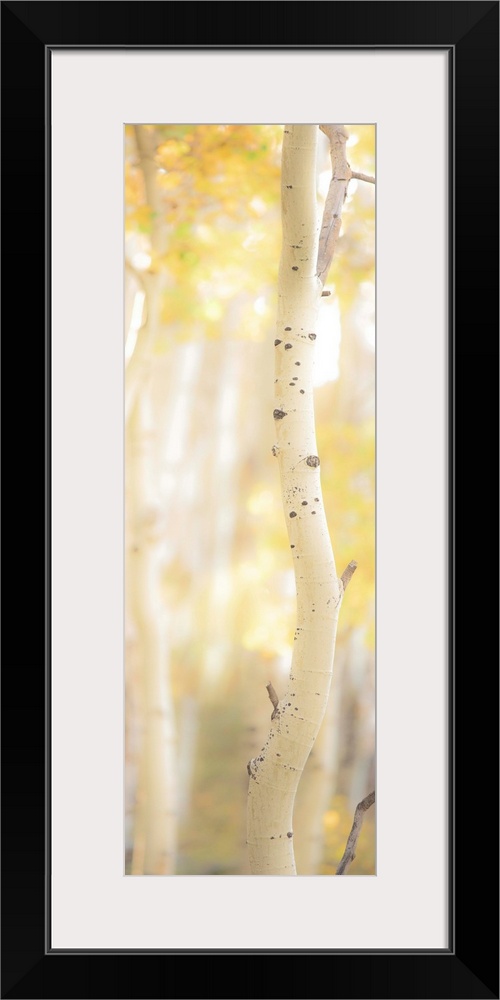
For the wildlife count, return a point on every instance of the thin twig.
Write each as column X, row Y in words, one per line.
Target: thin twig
column 362, row 177
column 352, row 840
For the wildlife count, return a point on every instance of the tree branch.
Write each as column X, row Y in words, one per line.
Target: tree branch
column 348, row 572
column 274, row 699
column 272, row 695
column 352, row 840
column 355, row 176
column 332, row 213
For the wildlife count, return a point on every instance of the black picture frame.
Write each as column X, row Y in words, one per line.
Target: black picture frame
column 469, row 968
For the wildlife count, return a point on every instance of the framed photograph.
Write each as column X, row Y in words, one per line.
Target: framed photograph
column 114, row 129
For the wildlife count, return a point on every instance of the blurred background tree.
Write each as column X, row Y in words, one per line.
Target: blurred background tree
column 210, row 594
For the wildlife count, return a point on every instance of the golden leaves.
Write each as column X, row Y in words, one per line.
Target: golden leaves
column 134, row 186
column 169, row 153
column 218, row 188
column 140, row 219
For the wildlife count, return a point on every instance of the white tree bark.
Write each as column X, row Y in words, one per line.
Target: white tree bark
column 152, row 282
column 155, row 815
column 296, row 719
column 314, row 792
column 155, row 828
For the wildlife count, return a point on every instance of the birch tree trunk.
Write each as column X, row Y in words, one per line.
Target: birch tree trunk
column 155, row 814
column 155, row 833
column 152, row 282
column 296, row 718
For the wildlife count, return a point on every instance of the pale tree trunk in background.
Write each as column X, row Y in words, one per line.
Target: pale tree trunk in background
column 221, row 482
column 158, row 441
column 155, row 817
column 276, row 771
column 151, row 282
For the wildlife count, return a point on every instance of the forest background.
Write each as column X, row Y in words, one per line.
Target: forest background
column 210, row 593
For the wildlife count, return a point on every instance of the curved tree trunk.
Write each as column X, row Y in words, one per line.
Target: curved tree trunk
column 296, row 719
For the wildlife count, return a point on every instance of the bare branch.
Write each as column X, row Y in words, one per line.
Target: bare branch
column 332, row 213
column 355, row 176
column 348, row 572
column 352, row 840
